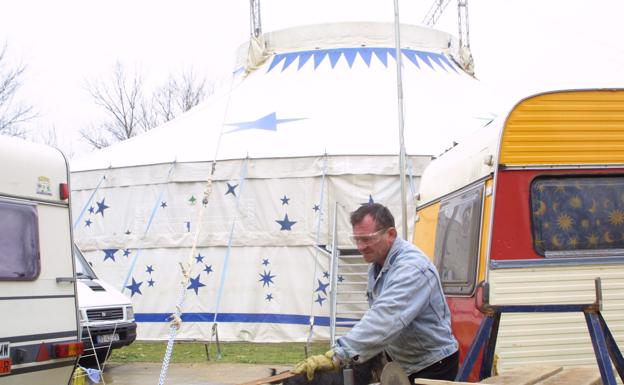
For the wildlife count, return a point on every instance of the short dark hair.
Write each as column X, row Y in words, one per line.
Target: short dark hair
column 381, row 215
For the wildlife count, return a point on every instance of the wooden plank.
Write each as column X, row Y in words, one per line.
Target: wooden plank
column 575, row 376
column 426, row 381
column 523, row 376
column 267, row 380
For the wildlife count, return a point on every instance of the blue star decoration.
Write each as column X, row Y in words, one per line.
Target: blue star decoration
column 109, row 253
column 266, row 279
column 195, row 284
column 319, row 299
column 101, row 207
column 316, row 208
column 326, row 274
column 135, row 287
column 150, row 283
column 286, row 224
column 163, row 204
column 269, row 297
column 208, row 269
column 322, row 287
column 340, row 278
column 91, row 210
column 370, row 199
column 88, row 223
column 128, row 232
column 265, row 262
column 199, row 258
column 126, row 252
column 284, row 200
column 231, row 189
column 267, row 123
column 150, row 269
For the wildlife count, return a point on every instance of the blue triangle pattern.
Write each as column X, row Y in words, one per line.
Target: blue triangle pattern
column 303, row 58
column 349, row 54
column 433, row 60
column 334, row 55
column 380, row 53
column 366, row 54
column 424, row 56
column 318, row 57
column 290, row 58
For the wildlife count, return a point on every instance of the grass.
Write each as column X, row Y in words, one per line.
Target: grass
column 237, row 352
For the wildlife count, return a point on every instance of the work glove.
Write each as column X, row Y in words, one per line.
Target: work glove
column 321, row 362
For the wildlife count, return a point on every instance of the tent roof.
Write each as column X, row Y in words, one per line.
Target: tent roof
column 328, row 88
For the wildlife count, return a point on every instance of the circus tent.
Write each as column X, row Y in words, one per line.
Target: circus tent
column 245, row 185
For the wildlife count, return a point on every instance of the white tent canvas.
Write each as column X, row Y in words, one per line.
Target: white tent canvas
column 312, row 125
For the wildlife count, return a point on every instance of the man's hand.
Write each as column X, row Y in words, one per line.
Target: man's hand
column 321, row 362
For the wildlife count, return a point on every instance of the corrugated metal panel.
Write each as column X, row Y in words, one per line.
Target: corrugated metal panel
column 570, row 127
column 554, row 338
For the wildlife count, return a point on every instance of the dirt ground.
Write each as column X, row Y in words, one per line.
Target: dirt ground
column 209, row 373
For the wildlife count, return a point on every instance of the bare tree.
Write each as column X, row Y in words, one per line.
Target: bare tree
column 179, row 95
column 130, row 113
column 122, row 99
column 12, row 114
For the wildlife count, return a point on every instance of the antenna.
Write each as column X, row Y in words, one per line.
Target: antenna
column 434, row 14
column 256, row 26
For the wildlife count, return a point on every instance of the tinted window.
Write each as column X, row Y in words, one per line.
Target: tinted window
column 583, row 214
column 457, row 240
column 19, row 241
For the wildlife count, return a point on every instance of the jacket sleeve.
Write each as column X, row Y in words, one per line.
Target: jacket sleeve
column 406, row 292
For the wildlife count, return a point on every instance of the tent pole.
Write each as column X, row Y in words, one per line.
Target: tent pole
column 397, row 38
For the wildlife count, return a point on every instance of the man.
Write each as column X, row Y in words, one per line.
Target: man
column 408, row 320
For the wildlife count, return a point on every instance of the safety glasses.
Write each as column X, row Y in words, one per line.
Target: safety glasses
column 367, row 239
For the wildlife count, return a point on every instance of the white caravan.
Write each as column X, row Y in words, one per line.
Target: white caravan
column 106, row 315
column 39, row 337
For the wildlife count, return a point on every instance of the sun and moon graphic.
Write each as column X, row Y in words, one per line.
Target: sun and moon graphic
column 564, row 221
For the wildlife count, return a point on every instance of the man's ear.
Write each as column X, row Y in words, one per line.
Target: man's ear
column 393, row 232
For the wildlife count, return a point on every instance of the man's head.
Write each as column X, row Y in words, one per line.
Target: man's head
column 373, row 231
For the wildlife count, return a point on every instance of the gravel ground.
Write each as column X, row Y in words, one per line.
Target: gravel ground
column 209, row 373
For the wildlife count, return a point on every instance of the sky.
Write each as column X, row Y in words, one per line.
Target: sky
column 519, row 46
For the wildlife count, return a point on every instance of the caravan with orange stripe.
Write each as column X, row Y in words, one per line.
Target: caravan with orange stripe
column 532, row 204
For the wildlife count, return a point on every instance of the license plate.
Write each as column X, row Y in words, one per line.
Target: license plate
column 106, row 338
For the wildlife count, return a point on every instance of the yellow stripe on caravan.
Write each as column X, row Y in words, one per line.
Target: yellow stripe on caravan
column 579, row 127
column 425, row 229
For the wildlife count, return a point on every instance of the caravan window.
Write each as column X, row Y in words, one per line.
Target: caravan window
column 19, row 241
column 578, row 216
column 457, row 240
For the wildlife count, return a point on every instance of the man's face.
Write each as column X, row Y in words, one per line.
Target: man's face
column 374, row 244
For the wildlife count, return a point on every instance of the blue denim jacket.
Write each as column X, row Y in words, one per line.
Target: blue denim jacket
column 408, row 315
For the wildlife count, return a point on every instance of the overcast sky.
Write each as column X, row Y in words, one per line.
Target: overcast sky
column 519, row 46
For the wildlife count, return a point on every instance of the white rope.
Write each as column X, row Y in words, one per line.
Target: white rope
column 176, row 318
column 319, row 218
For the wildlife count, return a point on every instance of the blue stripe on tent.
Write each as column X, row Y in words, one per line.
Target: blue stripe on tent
column 293, row 319
column 431, row 59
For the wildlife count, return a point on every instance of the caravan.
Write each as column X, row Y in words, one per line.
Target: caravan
column 533, row 204
column 39, row 338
